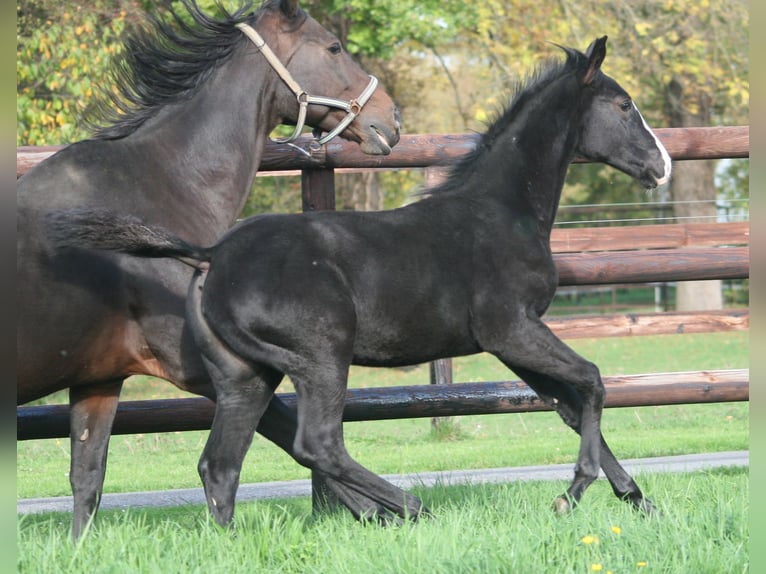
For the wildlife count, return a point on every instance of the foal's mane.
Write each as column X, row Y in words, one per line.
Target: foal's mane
column 165, row 63
column 524, row 91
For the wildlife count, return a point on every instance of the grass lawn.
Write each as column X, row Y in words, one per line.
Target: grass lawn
column 482, row 529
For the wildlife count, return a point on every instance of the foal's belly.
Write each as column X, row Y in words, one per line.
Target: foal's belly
column 416, row 339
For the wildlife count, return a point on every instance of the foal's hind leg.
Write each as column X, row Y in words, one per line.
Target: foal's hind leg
column 319, row 445
column 92, row 411
column 243, row 393
column 279, row 424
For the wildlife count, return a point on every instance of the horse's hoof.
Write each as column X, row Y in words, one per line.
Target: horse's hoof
column 562, row 505
column 646, row 507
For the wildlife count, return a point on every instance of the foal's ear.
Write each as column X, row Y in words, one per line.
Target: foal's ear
column 289, row 8
column 595, row 53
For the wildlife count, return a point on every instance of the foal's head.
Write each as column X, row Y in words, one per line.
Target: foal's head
column 612, row 129
column 318, row 62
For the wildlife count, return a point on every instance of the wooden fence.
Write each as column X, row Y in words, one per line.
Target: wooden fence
column 651, row 253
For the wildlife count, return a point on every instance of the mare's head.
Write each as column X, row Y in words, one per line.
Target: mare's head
column 612, row 129
column 317, row 61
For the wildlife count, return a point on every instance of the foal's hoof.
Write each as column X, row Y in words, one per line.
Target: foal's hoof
column 562, row 505
column 646, row 507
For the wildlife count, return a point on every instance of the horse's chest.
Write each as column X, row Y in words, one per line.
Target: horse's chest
column 525, row 279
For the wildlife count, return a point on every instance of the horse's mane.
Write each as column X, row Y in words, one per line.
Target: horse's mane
column 164, row 63
column 523, row 91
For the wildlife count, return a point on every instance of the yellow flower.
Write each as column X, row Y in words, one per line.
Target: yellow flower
column 589, row 539
column 596, row 567
column 616, row 529
column 641, row 564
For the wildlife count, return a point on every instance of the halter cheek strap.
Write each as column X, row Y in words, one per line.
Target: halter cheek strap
column 351, row 107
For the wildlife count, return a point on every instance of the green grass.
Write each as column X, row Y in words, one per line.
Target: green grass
column 483, row 529
column 160, row 461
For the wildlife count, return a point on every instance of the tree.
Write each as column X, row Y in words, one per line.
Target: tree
column 63, row 53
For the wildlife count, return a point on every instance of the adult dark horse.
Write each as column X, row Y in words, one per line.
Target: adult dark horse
column 196, row 105
column 467, row 269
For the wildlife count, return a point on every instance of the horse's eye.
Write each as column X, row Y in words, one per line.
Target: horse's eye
column 335, row 49
column 626, row 105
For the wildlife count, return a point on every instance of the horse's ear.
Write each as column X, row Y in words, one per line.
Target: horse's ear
column 289, row 8
column 595, row 54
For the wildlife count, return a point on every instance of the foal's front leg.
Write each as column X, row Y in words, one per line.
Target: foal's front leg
column 569, row 407
column 533, row 350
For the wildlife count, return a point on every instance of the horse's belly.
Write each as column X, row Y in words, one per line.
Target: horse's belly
column 419, row 339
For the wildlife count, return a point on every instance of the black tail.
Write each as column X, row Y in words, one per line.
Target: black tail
column 103, row 229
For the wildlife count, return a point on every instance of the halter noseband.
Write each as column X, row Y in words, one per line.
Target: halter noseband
column 352, row 107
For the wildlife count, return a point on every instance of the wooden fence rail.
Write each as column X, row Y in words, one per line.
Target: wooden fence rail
column 424, row 150
column 416, row 401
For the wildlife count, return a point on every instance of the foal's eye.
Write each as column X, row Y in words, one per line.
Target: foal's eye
column 335, row 49
column 626, row 105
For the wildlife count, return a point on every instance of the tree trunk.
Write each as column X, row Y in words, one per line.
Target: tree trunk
column 693, row 190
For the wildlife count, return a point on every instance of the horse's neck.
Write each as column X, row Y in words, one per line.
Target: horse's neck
column 212, row 146
column 532, row 166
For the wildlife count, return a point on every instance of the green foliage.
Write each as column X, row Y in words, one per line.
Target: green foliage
column 63, row 54
column 376, row 29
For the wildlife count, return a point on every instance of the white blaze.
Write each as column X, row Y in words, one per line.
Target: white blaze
column 665, row 155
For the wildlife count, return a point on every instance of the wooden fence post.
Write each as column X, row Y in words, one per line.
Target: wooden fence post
column 318, row 189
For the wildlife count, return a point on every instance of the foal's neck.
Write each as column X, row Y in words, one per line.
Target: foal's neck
column 534, row 154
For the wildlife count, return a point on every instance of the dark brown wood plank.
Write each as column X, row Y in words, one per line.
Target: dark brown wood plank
column 659, row 265
column 418, row 401
column 318, row 189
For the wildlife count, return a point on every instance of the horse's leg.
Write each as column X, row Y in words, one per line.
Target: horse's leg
column 92, row 410
column 569, row 408
column 623, row 485
column 319, row 445
column 243, row 394
column 279, row 424
column 531, row 348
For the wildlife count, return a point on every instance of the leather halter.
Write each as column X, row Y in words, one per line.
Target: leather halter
column 352, row 107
